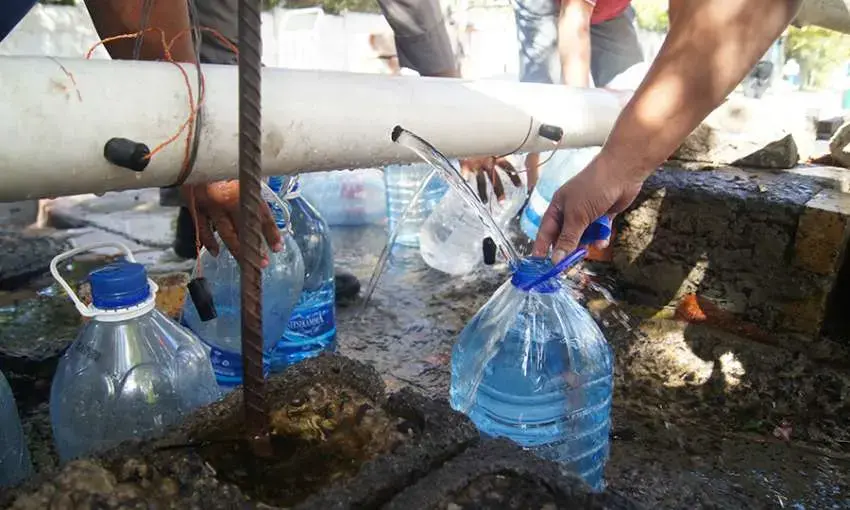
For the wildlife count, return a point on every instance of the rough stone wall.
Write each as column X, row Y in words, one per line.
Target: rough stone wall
column 766, row 247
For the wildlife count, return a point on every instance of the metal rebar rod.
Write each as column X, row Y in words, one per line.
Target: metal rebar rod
column 250, row 204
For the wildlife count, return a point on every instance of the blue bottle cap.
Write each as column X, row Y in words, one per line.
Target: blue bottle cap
column 119, row 285
column 597, row 231
column 276, row 183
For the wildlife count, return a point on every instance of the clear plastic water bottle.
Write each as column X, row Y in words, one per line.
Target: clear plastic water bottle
column 346, row 197
column 312, row 325
column 131, row 372
column 534, row 367
column 563, row 166
column 15, row 465
column 451, row 238
column 282, row 281
column 402, row 182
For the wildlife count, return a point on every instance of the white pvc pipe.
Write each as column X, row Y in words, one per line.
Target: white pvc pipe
column 57, row 114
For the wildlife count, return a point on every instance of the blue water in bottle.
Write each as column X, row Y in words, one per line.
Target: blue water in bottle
column 282, row 281
column 402, row 182
column 535, row 368
column 15, row 463
column 556, row 169
column 312, row 325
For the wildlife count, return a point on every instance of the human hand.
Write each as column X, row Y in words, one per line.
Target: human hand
column 600, row 189
column 215, row 207
column 485, row 168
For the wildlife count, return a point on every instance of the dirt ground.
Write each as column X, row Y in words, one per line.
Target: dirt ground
column 702, row 418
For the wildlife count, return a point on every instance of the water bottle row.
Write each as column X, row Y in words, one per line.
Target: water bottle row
column 298, row 292
column 132, row 371
column 447, row 232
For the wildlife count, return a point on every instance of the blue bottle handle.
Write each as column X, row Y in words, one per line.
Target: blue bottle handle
column 599, row 230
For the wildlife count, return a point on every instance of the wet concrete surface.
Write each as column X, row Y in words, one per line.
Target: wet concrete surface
column 694, row 426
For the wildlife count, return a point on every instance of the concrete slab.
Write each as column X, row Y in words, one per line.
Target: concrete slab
column 135, row 215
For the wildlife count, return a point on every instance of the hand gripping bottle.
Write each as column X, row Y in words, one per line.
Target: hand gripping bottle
column 221, row 326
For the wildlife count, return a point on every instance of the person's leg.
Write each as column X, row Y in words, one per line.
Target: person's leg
column 614, row 47
column 537, row 33
column 421, row 39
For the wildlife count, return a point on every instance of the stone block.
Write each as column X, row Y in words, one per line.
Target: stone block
column 23, row 257
column 822, row 233
column 751, row 133
column 337, row 442
column 497, row 474
column 833, row 177
column 764, row 246
column 19, row 214
column 135, row 215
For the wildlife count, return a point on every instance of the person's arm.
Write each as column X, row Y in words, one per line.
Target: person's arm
column 214, row 204
column 118, row 17
column 574, row 41
column 711, row 46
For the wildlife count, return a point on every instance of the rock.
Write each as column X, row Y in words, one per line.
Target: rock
column 324, row 410
column 135, row 215
column 347, row 286
column 19, row 214
column 838, row 145
column 33, row 334
column 750, row 133
column 23, row 257
column 767, row 247
column 499, row 475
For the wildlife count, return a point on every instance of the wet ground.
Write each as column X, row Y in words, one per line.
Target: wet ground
column 702, row 418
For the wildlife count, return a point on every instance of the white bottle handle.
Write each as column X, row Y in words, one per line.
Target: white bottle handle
column 86, row 310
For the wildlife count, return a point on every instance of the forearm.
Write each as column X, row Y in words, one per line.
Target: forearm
column 710, row 47
column 118, row 17
column 574, row 42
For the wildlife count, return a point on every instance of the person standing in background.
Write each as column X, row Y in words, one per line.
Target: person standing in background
column 588, row 38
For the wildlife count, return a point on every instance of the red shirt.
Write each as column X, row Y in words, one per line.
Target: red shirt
column 603, row 10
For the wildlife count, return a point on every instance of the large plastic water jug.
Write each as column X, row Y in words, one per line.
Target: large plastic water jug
column 282, row 282
column 15, row 463
column 402, row 183
column 312, row 324
column 345, row 197
column 556, row 170
column 131, row 372
column 451, row 239
column 533, row 366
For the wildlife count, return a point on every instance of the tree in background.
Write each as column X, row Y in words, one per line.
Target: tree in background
column 652, row 15
column 818, row 51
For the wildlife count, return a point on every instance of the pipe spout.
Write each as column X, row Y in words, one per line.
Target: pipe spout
column 60, row 113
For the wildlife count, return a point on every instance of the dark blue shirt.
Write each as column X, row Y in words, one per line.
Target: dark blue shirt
column 11, row 13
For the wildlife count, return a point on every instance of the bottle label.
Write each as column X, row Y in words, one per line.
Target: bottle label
column 227, row 366
column 315, row 322
column 536, row 207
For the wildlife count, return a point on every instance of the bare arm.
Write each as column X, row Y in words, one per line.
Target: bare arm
column 711, row 46
column 574, row 42
column 117, row 17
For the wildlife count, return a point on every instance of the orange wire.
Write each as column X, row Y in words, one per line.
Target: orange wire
column 194, row 108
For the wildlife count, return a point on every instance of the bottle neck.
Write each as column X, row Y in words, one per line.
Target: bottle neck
column 530, row 269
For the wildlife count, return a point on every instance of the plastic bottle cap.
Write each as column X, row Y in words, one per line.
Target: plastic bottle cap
column 119, row 285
